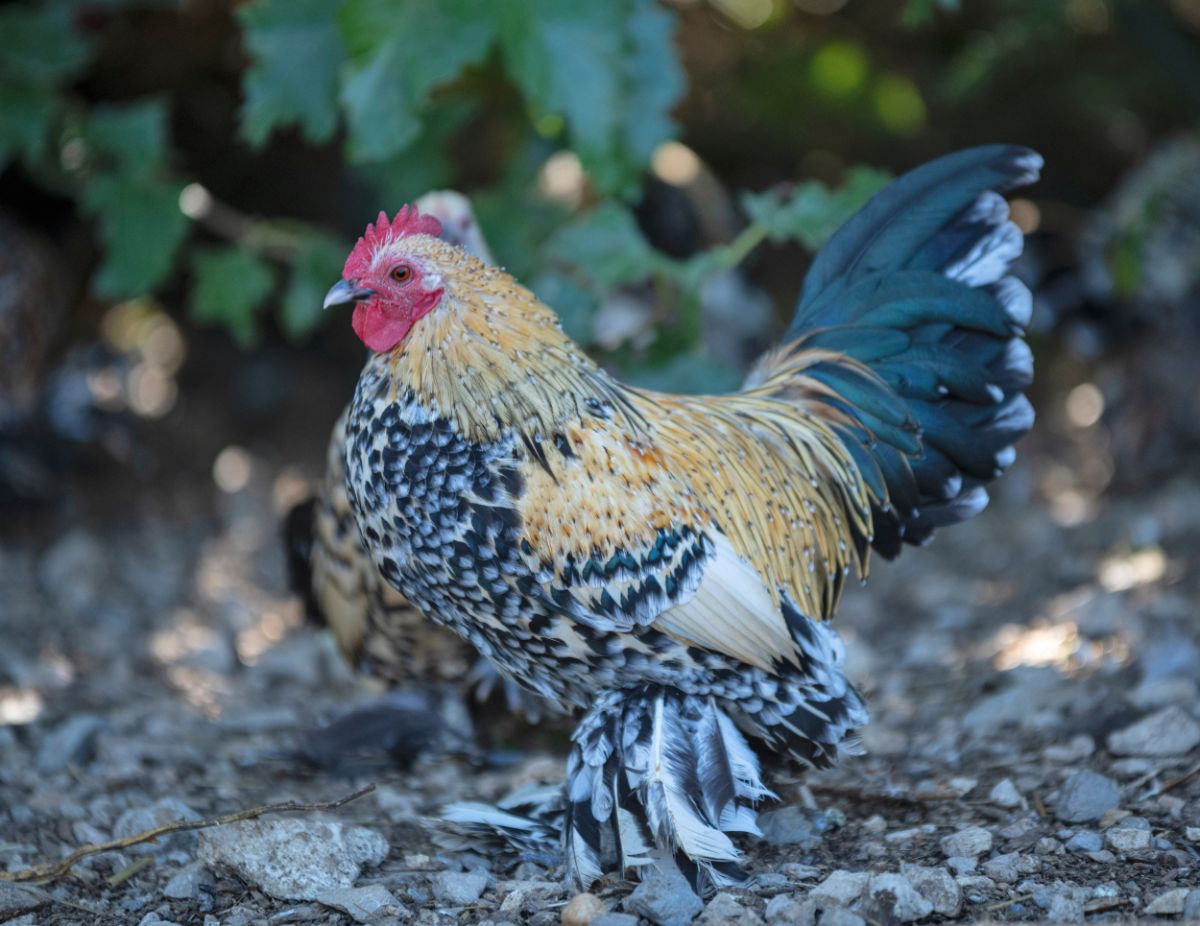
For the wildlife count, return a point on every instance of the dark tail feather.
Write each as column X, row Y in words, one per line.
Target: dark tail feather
column 916, row 288
column 298, row 535
column 656, row 774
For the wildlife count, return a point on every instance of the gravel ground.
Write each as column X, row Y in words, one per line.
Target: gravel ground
column 1034, row 753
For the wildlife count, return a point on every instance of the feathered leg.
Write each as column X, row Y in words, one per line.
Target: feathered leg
column 655, row 773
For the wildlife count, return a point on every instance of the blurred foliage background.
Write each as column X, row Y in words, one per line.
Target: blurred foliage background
column 659, row 172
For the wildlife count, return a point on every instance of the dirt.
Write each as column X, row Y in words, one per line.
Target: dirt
column 154, row 666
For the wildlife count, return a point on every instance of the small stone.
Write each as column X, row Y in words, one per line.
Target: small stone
column 797, row 872
column 910, row 833
column 1085, row 841
column 961, row 865
column 792, row 826
column 458, row 888
column 875, row 824
column 1168, row 904
column 583, row 910
column 1086, row 796
column 786, row 910
column 1047, row 845
column 1192, row 833
column 161, row 812
column 70, row 743
column 1064, row 909
column 187, row 883
column 841, row 887
column 664, row 898
column 526, row 892
column 1103, row 857
column 975, row 887
column 1169, row 732
column 908, row 906
column 769, row 882
column 1005, row 794
column 615, row 919
column 362, row 904
column 840, row 916
column 1003, row 868
column 1076, row 749
column 724, row 910
column 971, row 841
column 16, row 899
column 936, row 886
column 293, row 858
column 1127, row 839
column 1191, row 906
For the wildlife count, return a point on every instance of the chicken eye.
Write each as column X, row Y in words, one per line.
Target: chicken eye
column 402, row 273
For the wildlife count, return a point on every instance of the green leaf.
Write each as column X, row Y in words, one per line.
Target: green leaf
column 316, row 266
column 693, row 372
column 296, row 53
column 606, row 247
column 25, row 119
column 920, row 12
column 398, row 53
column 40, row 47
column 574, row 305
column 129, row 138
column 141, row 227
column 229, row 289
column 609, row 68
column 810, row 212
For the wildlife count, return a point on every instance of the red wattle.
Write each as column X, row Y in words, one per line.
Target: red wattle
column 378, row 329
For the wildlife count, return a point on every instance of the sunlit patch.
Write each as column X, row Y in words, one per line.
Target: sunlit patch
column 676, row 164
column 898, row 104
column 269, row 629
column 195, row 201
column 201, row 688
column 838, row 69
column 289, row 489
column 155, row 350
column 1085, row 405
column 1120, row 573
column 1089, row 17
column 232, row 469
column 1045, row 645
column 152, row 391
column 820, row 7
column 19, row 706
column 184, row 638
column 1025, row 214
column 749, row 14
column 562, row 179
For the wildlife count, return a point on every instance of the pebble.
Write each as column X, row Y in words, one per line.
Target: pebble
column 70, row 743
column 911, row 833
column 1085, row 841
column 1005, row 794
column 724, row 910
column 1003, row 868
column 937, row 886
column 161, row 812
column 840, row 916
column 975, row 887
column 293, row 858
column 908, row 906
column 458, row 888
column 1191, row 906
column 187, row 883
column 1168, row 732
column 362, row 904
column 1086, row 796
column 1064, row 909
column 616, row 919
column 1130, row 836
column 784, row 909
column 961, row 865
column 841, row 887
column 970, row 842
column 583, row 910
column 1169, row 903
column 1076, row 749
column 797, row 872
column 16, row 899
column 1192, row 833
column 794, row 826
column 664, row 898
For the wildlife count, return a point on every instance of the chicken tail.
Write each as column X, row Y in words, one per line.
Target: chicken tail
column 909, row 333
column 657, row 775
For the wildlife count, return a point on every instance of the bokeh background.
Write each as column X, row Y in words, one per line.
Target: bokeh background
column 180, row 182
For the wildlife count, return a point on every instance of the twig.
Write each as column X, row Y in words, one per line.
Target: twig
column 865, row 796
column 57, row 869
column 130, row 870
column 1012, row 901
column 1176, row 782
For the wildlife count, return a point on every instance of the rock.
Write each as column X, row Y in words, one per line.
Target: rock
column 1168, row 904
column 1064, row 909
column 793, row 826
column 363, row 904
column 1086, row 796
column 786, row 910
column 910, row 833
column 70, row 743
column 1048, row 845
column 1005, row 794
column 1169, row 732
column 1131, row 835
column 664, row 898
column 1192, row 833
column 961, row 865
column 907, row 905
column 1076, row 749
column 527, row 892
column 975, row 887
column 724, row 910
column 161, row 812
column 797, row 872
column 1085, row 841
column 73, row 571
column 840, row 916
column 615, row 919
column 1191, row 906
column 970, row 842
column 841, row 887
column 187, row 883
column 1003, row 868
column 583, row 910
column 937, row 886
column 16, row 899
column 458, row 888
column 293, row 858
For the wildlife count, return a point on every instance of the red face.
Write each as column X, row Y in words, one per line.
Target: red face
column 390, row 289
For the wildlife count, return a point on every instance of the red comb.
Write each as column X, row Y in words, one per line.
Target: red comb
column 408, row 221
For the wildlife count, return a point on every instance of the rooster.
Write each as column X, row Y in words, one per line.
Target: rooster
column 666, row 565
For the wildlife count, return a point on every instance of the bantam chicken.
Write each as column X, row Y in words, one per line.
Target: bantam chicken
column 667, row 564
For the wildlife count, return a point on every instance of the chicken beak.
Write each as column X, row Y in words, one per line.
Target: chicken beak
column 346, row 292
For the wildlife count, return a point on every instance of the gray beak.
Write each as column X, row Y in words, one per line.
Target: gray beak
column 345, row 292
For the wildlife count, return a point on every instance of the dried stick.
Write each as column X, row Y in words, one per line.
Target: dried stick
column 51, row 870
